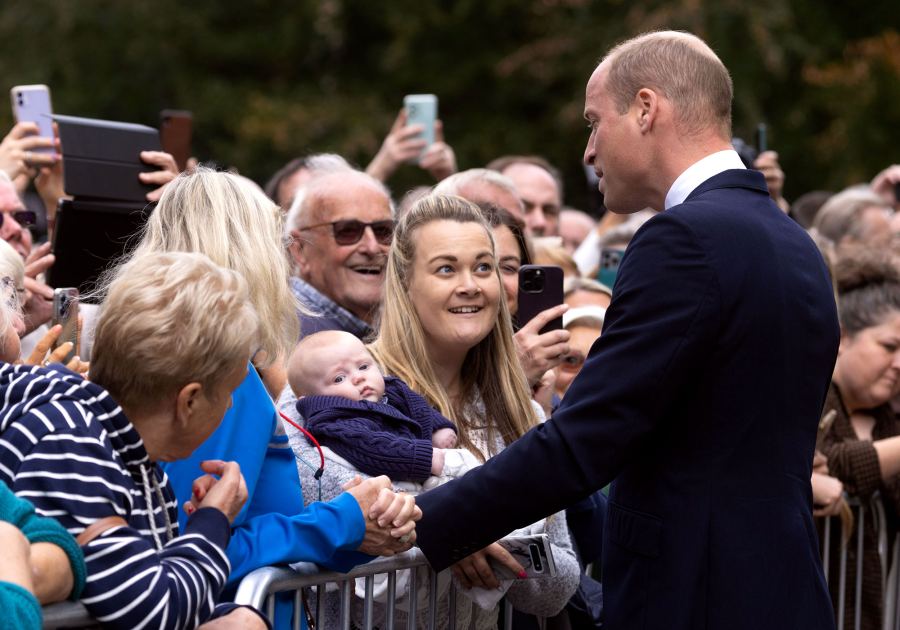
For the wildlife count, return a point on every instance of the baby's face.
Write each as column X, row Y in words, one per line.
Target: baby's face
column 349, row 371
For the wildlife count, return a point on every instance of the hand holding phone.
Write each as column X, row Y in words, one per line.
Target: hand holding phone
column 31, row 103
column 65, row 313
column 421, row 109
column 540, row 288
column 532, row 552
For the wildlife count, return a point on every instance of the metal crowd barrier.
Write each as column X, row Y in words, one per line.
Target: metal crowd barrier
column 260, row 586
column 862, row 511
column 67, row 615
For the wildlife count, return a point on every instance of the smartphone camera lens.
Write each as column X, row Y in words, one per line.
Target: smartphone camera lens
column 535, row 554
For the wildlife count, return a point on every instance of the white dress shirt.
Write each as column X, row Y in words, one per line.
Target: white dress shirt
column 699, row 172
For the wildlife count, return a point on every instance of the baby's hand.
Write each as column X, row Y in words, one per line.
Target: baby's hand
column 444, row 438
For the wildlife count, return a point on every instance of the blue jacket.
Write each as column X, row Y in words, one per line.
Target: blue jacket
column 273, row 527
column 701, row 399
column 390, row 438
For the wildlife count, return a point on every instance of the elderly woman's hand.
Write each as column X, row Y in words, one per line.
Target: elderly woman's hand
column 390, row 516
column 43, row 355
column 539, row 353
column 475, row 570
column 226, row 491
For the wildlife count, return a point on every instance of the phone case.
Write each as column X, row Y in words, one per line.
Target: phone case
column 65, row 313
column 534, row 299
column 175, row 132
column 532, row 552
column 421, row 109
column 31, row 103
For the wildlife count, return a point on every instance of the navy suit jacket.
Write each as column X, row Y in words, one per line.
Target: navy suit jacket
column 701, row 399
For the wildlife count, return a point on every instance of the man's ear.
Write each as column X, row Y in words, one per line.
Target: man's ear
column 186, row 403
column 298, row 249
column 646, row 105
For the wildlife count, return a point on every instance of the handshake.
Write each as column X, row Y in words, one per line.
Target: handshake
column 390, row 516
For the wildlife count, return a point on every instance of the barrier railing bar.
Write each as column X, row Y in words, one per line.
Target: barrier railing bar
column 432, row 601
column 413, row 598
column 369, row 603
column 452, row 598
column 298, row 609
column 826, row 559
column 391, row 599
column 860, row 531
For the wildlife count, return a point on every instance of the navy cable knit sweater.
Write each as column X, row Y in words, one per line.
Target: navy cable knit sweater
column 391, row 438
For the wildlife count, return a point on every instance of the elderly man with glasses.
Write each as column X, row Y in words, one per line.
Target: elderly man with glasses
column 340, row 228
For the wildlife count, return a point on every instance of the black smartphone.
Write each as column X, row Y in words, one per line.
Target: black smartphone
column 762, row 138
column 176, row 128
column 65, row 313
column 540, row 288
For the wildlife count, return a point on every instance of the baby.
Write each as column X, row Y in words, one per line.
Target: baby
column 376, row 423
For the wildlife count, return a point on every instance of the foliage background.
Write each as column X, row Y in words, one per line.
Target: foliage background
column 268, row 80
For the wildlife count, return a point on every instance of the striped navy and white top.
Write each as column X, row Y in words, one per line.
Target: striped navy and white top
column 67, row 447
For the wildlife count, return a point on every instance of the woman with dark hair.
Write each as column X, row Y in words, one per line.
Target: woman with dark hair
column 862, row 443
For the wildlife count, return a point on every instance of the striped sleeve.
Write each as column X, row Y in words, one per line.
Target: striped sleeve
column 69, row 472
column 131, row 585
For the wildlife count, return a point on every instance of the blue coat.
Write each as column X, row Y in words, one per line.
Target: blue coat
column 701, row 399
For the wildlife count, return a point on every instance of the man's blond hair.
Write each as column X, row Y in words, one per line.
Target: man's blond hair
column 682, row 68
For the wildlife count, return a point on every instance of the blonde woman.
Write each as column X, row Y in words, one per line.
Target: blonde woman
column 230, row 220
column 445, row 330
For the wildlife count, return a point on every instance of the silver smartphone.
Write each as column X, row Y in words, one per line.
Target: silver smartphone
column 65, row 313
column 31, row 103
column 421, row 109
column 532, row 552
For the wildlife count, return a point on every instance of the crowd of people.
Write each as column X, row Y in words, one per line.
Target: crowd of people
column 147, row 479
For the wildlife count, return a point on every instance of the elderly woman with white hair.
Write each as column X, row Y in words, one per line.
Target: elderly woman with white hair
column 172, row 343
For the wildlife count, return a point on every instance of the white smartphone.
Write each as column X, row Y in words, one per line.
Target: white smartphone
column 31, row 103
column 65, row 313
column 532, row 552
column 421, row 109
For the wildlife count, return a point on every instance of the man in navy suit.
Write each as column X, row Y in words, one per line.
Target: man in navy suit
column 702, row 397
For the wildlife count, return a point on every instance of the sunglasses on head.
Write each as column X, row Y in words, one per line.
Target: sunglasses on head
column 349, row 231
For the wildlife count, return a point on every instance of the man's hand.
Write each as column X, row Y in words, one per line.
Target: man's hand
column 227, row 493
column 158, row 178
column 18, row 151
column 539, row 353
column 475, row 570
column 390, row 516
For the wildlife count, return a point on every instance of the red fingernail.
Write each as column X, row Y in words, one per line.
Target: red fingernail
column 522, row 575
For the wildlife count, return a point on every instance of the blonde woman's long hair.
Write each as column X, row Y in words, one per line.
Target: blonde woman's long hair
column 230, row 220
column 491, row 367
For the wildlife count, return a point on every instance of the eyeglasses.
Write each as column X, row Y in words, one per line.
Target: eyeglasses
column 349, row 231
column 25, row 218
